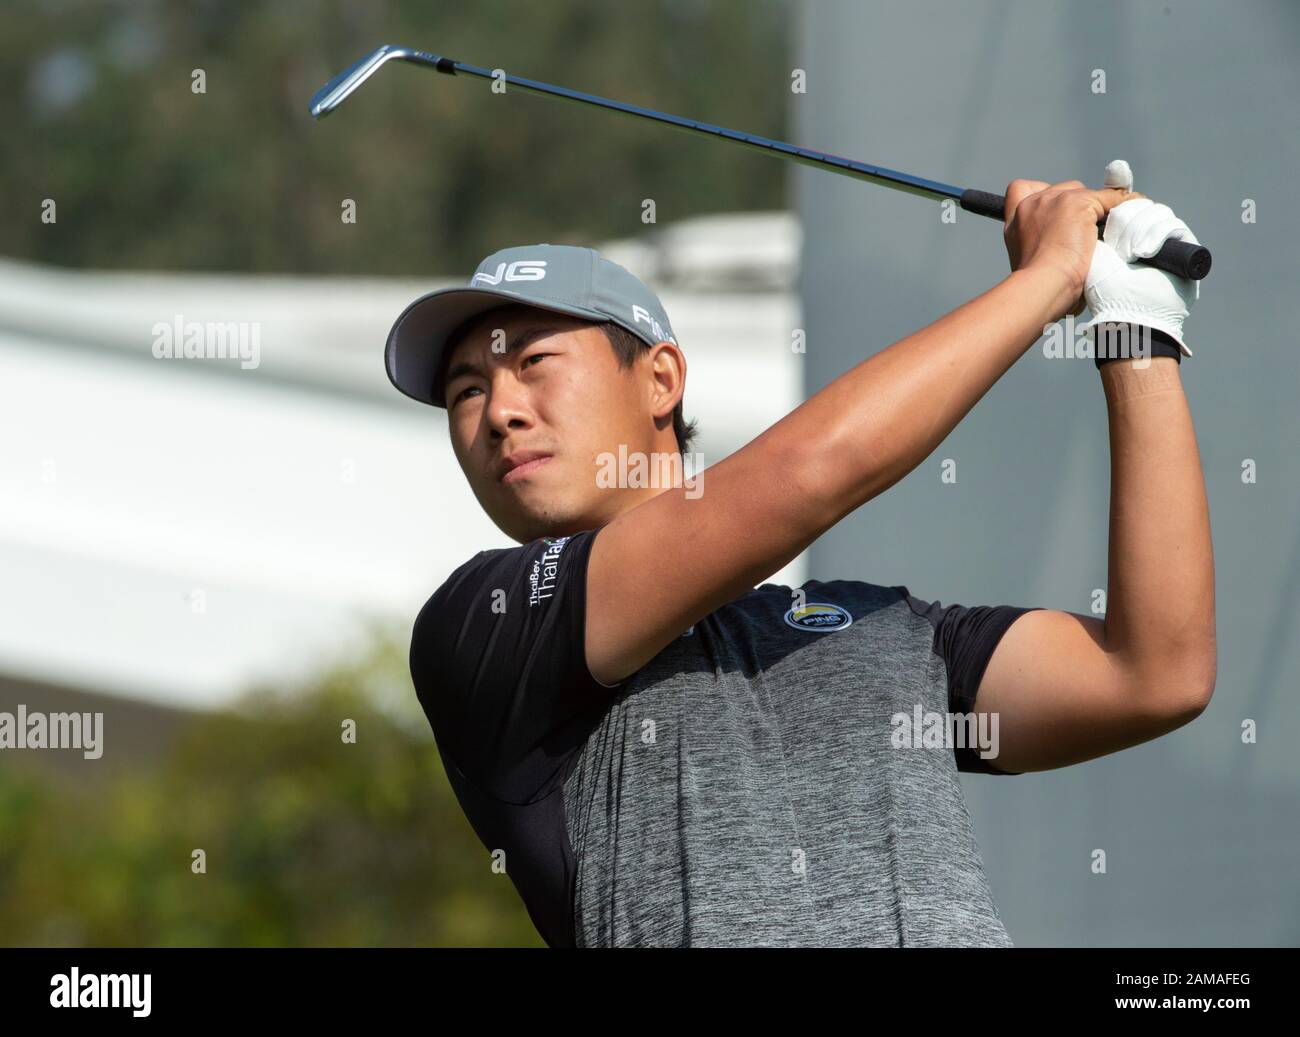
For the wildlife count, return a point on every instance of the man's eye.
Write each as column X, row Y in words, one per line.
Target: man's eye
column 535, row 356
column 461, row 395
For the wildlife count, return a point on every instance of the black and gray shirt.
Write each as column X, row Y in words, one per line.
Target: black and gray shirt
column 778, row 775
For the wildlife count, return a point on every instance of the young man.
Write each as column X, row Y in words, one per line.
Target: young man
column 658, row 752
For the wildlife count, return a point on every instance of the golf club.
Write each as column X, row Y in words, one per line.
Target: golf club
column 1176, row 257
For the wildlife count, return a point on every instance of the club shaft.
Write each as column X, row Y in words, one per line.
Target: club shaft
column 1177, row 257
column 807, row 156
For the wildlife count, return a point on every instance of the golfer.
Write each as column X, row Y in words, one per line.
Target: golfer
column 658, row 748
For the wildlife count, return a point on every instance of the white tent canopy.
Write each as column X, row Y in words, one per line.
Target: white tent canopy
column 171, row 529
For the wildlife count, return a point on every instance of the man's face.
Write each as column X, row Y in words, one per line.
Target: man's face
column 550, row 393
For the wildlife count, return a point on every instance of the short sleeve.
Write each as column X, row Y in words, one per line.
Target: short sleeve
column 498, row 661
column 964, row 638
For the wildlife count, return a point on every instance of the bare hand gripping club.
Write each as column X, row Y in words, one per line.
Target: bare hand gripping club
column 1177, row 257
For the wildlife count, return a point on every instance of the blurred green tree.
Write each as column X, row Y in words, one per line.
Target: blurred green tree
column 148, row 174
column 309, row 841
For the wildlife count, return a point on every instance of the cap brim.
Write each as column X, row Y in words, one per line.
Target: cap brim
column 414, row 353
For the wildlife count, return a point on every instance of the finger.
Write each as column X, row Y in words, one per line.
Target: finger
column 1151, row 236
column 1052, row 190
column 1018, row 191
column 1107, row 198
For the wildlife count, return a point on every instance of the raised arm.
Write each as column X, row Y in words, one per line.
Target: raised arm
column 1068, row 687
column 667, row 563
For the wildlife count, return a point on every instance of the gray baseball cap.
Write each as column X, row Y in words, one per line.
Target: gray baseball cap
column 566, row 279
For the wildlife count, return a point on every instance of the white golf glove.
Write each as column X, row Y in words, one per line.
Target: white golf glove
column 1122, row 291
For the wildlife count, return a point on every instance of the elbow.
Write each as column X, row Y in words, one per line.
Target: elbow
column 1188, row 688
column 1192, row 704
column 1175, row 689
column 1203, row 678
column 1204, row 688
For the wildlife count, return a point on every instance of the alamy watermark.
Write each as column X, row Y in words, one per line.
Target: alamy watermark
column 75, row 989
column 638, row 470
column 24, row 730
column 1064, row 340
column 210, row 340
column 931, row 730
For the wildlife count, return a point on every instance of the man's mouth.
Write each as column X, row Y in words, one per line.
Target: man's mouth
column 522, row 471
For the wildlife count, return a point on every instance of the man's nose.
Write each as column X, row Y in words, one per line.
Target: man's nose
column 507, row 403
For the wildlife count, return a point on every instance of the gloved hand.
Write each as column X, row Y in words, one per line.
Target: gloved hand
column 1119, row 290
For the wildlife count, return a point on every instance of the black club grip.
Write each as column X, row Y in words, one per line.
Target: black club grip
column 1176, row 257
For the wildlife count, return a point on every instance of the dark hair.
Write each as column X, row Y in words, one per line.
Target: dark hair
column 627, row 347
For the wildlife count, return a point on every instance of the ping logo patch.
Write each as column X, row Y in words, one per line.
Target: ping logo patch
column 819, row 616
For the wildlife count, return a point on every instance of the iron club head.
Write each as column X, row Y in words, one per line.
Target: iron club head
column 338, row 89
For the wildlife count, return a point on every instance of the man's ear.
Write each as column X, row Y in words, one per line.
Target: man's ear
column 668, row 373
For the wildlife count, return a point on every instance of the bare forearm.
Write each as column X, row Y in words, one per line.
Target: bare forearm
column 1160, row 598
column 878, row 421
